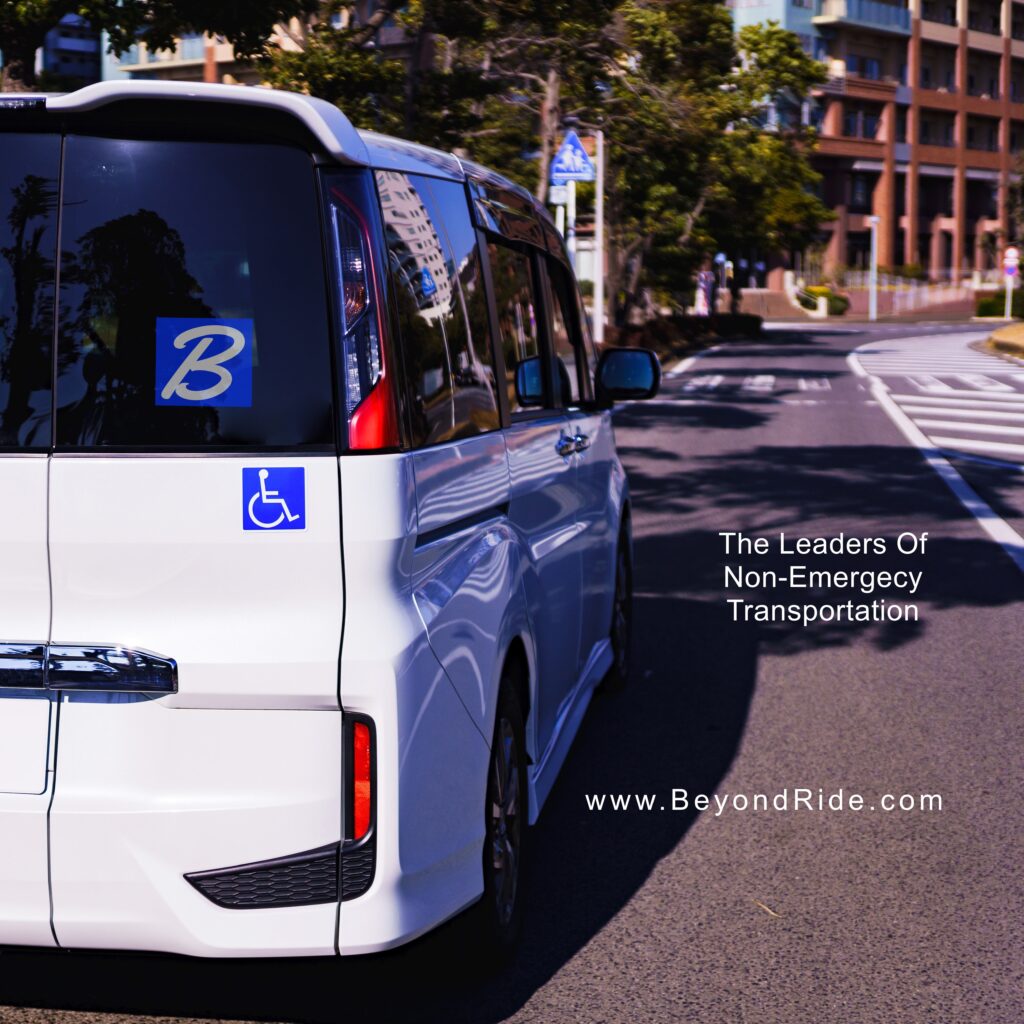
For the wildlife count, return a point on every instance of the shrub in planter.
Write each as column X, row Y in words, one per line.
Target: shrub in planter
column 837, row 304
column 994, row 304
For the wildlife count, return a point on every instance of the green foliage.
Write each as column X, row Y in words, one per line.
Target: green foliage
column 994, row 304
column 24, row 24
column 837, row 304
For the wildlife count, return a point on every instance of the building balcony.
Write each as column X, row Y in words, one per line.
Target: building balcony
column 864, row 13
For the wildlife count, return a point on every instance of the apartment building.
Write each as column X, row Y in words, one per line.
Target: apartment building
column 206, row 58
column 920, row 120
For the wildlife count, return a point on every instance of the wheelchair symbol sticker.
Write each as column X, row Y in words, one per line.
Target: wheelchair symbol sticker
column 274, row 499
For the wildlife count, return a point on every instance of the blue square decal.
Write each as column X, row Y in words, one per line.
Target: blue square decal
column 204, row 362
column 274, row 499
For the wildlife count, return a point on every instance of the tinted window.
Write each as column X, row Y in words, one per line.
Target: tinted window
column 565, row 337
column 445, row 338
column 28, row 239
column 193, row 305
column 515, row 298
column 506, row 212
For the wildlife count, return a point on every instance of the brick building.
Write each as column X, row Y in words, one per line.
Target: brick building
column 920, row 120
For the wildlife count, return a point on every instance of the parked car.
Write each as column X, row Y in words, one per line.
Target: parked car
column 315, row 539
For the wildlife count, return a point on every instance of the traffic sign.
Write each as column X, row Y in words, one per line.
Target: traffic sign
column 1011, row 258
column 558, row 195
column 571, row 162
column 1010, row 270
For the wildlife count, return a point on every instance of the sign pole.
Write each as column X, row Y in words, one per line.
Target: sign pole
column 570, row 229
column 873, row 272
column 1011, row 260
column 599, row 311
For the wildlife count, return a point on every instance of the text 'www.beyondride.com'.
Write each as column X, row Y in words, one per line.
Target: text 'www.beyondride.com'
column 797, row 799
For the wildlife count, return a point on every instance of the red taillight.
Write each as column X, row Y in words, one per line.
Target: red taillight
column 374, row 424
column 367, row 389
column 362, row 780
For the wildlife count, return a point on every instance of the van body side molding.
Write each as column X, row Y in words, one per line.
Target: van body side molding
column 106, row 668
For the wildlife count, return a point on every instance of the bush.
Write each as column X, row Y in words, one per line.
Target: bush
column 837, row 304
column 994, row 304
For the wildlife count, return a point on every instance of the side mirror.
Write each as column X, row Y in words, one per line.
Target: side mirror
column 627, row 374
column 529, row 383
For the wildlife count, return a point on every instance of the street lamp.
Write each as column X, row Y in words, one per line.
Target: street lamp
column 873, row 271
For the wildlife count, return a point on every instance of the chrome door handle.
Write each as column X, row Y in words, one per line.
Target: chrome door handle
column 566, row 446
column 582, row 442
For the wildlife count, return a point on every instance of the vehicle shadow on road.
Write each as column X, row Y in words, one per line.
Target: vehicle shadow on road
column 678, row 724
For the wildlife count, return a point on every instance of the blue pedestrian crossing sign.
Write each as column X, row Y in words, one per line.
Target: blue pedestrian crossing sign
column 571, row 162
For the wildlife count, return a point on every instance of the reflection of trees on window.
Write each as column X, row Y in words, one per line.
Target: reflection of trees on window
column 124, row 274
column 26, row 315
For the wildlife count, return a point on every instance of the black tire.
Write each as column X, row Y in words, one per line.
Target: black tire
column 496, row 921
column 621, row 631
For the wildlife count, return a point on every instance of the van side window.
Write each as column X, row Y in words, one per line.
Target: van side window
column 28, row 254
column 194, row 312
column 567, row 337
column 435, row 263
column 515, row 296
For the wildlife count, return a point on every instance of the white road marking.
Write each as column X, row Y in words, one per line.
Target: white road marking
column 684, row 364
column 704, row 382
column 815, row 384
column 983, row 383
column 931, row 449
column 760, row 382
column 977, row 428
column 962, row 397
column 975, row 411
column 974, row 445
column 926, row 382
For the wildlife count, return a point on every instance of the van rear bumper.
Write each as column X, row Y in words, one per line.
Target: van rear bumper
column 146, row 795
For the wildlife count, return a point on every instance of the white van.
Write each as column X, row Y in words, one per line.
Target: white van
column 315, row 543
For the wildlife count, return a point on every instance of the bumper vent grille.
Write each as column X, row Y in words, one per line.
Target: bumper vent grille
column 300, row 880
column 357, row 870
column 296, row 881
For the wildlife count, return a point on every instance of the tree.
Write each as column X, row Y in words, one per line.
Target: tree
column 680, row 97
column 694, row 167
column 24, row 24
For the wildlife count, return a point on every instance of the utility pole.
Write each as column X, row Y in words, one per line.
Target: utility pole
column 599, row 311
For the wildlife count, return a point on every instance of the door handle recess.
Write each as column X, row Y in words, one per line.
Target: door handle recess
column 566, row 446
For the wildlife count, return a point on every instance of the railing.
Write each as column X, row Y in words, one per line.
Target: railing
column 870, row 12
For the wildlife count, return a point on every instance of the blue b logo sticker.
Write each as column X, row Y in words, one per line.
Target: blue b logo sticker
column 274, row 499
column 203, row 362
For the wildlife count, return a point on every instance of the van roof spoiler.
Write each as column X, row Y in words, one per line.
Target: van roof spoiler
column 331, row 128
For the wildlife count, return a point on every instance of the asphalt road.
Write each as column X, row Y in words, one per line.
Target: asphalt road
column 748, row 916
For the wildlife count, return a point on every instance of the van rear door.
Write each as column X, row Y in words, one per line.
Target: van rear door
column 195, row 547
column 28, row 234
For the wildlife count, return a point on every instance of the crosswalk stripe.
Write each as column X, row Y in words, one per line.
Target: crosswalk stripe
column 760, row 382
column 704, row 382
column 959, row 397
column 978, row 428
column 973, row 413
column 926, row 382
column 977, row 445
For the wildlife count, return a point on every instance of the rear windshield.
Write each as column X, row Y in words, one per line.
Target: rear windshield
column 28, row 255
column 193, row 311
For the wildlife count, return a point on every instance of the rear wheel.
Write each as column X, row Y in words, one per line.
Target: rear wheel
column 498, row 915
column 621, row 633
